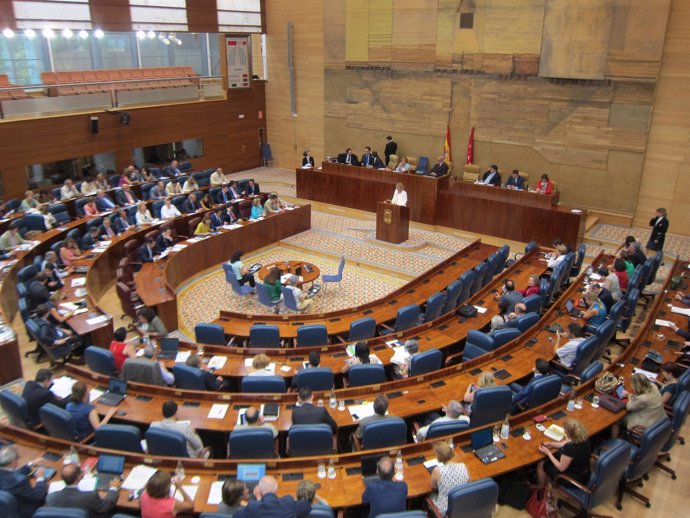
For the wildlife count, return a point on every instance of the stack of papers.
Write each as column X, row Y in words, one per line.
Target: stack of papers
column 359, row 412
column 190, row 490
column 218, row 411
column 231, row 227
column 399, row 356
column 178, row 247
column 182, row 356
column 680, row 311
column 80, row 292
column 480, row 309
column 217, row 362
column 215, row 495
column 94, row 394
column 138, row 477
column 97, row 320
column 647, row 374
column 62, row 386
column 78, row 282
column 663, row 323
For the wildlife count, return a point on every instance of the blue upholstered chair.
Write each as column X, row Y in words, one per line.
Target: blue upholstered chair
column 231, row 279
column 681, row 406
column 490, row 404
column 467, row 280
column 312, row 335
column 532, row 303
column 188, row 378
column 362, row 329
column 252, row 443
column 122, row 437
column 263, row 385
column 100, row 360
column 477, row 344
column 480, row 272
column 316, row 378
column 9, row 504
column 264, row 297
column 443, row 428
column 434, row 305
column 212, row 334
column 424, row 362
column 544, row 389
column 473, row 500
column 305, row 440
column 262, row 335
column 384, row 433
column 60, row 512
column 15, row 409
column 453, row 294
column 526, row 321
column 407, row 317
column 367, row 374
column 166, row 443
column 58, row 422
column 531, row 246
column 326, row 279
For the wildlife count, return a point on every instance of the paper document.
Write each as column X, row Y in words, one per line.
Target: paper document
column 286, row 368
column 178, row 247
column 190, row 490
column 217, row 362
column 399, row 356
column 394, row 343
column 481, row 309
column 138, row 477
column 359, row 412
column 62, row 386
column 80, row 292
column 78, row 282
column 430, row 463
column 647, row 374
column 215, row 495
column 69, row 306
column 595, row 277
column 94, row 394
column 218, row 411
column 664, row 323
column 97, row 320
column 680, row 311
column 182, row 356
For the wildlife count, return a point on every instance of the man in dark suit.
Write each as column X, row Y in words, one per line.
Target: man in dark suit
column 90, row 238
column 38, row 290
column 515, row 181
column 233, row 190
column 122, row 222
column 147, row 251
column 103, row 202
column 376, row 163
column 306, row 413
column 367, row 158
column 510, row 297
column 54, row 281
column 383, row 494
column 90, row 501
column 521, row 395
column 17, row 482
column 492, row 176
column 269, row 505
column 252, row 188
column 58, row 338
column 440, row 167
column 348, row 158
column 217, row 219
column 165, row 240
column 224, row 195
column 37, row 393
column 391, row 149
column 211, row 381
column 157, row 192
column 190, row 204
column 125, row 196
column 173, row 170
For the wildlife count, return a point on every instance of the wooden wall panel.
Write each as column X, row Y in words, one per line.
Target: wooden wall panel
column 575, row 38
column 414, row 33
column 7, row 14
column 357, row 30
column 666, row 174
column 289, row 135
column 229, row 142
column 111, row 15
column 202, row 15
column 380, row 30
column 509, row 26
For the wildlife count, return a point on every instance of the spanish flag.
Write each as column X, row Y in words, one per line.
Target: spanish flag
column 446, row 146
column 470, row 148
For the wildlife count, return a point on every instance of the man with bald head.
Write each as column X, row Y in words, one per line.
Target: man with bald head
column 383, row 494
column 269, row 505
column 454, row 411
column 90, row 501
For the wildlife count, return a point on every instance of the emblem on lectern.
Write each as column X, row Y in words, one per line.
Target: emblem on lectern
column 387, row 216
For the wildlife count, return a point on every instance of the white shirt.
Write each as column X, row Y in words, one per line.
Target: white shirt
column 143, row 217
column 68, row 192
column 399, row 198
column 169, row 212
column 489, row 178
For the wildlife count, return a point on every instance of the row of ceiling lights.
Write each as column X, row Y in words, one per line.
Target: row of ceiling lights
column 49, row 33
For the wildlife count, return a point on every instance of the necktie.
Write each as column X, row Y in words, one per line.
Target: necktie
column 129, row 197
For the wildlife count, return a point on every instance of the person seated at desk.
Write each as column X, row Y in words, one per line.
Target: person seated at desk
column 29, row 203
column 54, row 282
column 644, row 406
column 120, row 348
column 224, row 196
column 603, row 294
column 241, row 273
column 454, row 411
column 174, row 169
column 91, row 237
column 169, row 211
column 629, row 266
column 254, row 419
column 52, row 258
column 384, row 495
column 173, row 187
column 670, row 372
column 121, row 222
column 267, row 504
column 307, row 160
column 217, row 178
column 11, row 238
column 28, row 496
column 102, row 182
column 85, row 417
column 306, row 413
column 260, row 366
column 532, row 286
column 103, row 202
column 636, row 254
column 515, row 181
column 125, row 197
column 146, row 175
column 273, row 285
column 348, row 158
column 446, row 475
column 158, row 191
column 88, row 187
column 380, row 410
column 40, row 291
column 204, row 226
column 230, row 217
column 37, row 393
column 211, row 381
column 107, row 231
column 165, row 240
column 217, row 219
column 491, row 177
column 49, row 220
column 257, row 210
column 403, row 166
column 156, row 500
column 313, row 362
column 367, row 158
column 399, row 196
column 553, row 260
column 440, row 167
column 143, row 216
column 148, row 252
column 72, row 496
column 126, row 176
column 233, row 190
column 566, row 353
column 272, row 205
column 572, row 456
column 303, row 302
column 149, row 324
column 510, row 319
column 377, row 162
column 91, row 209
column 68, row 190
column 252, row 188
column 486, row 379
column 53, row 334
column 195, row 447
column 522, row 394
column 69, row 252
column 362, row 357
column 233, row 493
column 206, row 202
column 402, row 370
column 544, row 185
column 191, row 204
column 306, row 491
column 510, row 297
column 190, row 185
column 621, row 273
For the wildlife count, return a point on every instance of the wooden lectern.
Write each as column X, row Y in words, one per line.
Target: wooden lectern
column 392, row 222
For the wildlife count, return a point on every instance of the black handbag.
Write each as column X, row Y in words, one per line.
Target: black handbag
column 467, row 311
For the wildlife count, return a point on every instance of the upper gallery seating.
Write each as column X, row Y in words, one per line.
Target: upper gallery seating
column 6, row 95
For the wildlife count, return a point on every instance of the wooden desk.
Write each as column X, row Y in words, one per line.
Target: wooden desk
column 291, row 267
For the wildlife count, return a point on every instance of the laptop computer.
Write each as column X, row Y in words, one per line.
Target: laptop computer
column 368, row 465
column 483, row 446
column 169, row 348
column 313, row 291
column 250, row 474
column 108, row 468
column 572, row 310
column 117, row 390
column 254, row 268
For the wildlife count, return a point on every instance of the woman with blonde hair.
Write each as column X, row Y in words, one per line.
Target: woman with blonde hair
column 143, row 215
column 486, row 379
column 260, row 365
column 446, row 475
column 645, row 406
column 532, row 286
column 571, row 458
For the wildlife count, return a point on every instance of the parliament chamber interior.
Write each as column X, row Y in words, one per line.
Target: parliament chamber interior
column 344, row 259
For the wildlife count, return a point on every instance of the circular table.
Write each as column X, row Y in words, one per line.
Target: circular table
column 292, row 267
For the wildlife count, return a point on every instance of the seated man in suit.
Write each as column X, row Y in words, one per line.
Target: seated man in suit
column 267, row 503
column 440, row 167
column 515, row 181
column 307, row 159
column 125, row 197
column 157, row 192
column 107, row 231
column 492, row 176
column 521, row 394
column 306, row 413
column 252, row 188
column 378, row 163
column 121, row 222
column 148, row 252
column 52, row 258
column 383, row 494
column 195, row 448
column 174, row 169
column 217, row 219
column 253, row 419
column 17, row 482
column 58, row 338
column 37, row 393
column 90, row 501
column 165, row 240
column 510, row 297
column 211, row 382
column 190, row 204
column 91, row 238
column 380, row 409
column 68, row 190
column 39, row 293
column 233, row 190
column 348, row 158
column 54, row 280
column 224, row 195
column 103, row 202
column 455, row 411
column 367, row 158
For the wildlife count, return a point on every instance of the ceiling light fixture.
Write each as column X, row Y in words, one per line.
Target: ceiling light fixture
column 151, row 35
column 83, row 34
column 8, row 33
column 30, row 33
column 48, row 33
column 98, row 33
column 67, row 33
column 141, row 35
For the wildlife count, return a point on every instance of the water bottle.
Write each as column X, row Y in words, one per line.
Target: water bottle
column 399, row 466
column 505, row 428
column 179, row 471
column 571, row 404
column 200, row 350
column 321, row 470
column 332, row 402
column 331, row 469
column 73, row 457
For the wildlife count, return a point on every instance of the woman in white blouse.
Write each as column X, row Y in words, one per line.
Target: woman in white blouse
column 190, row 185
column 143, row 215
column 169, row 211
column 217, row 178
column 403, row 166
column 399, row 196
